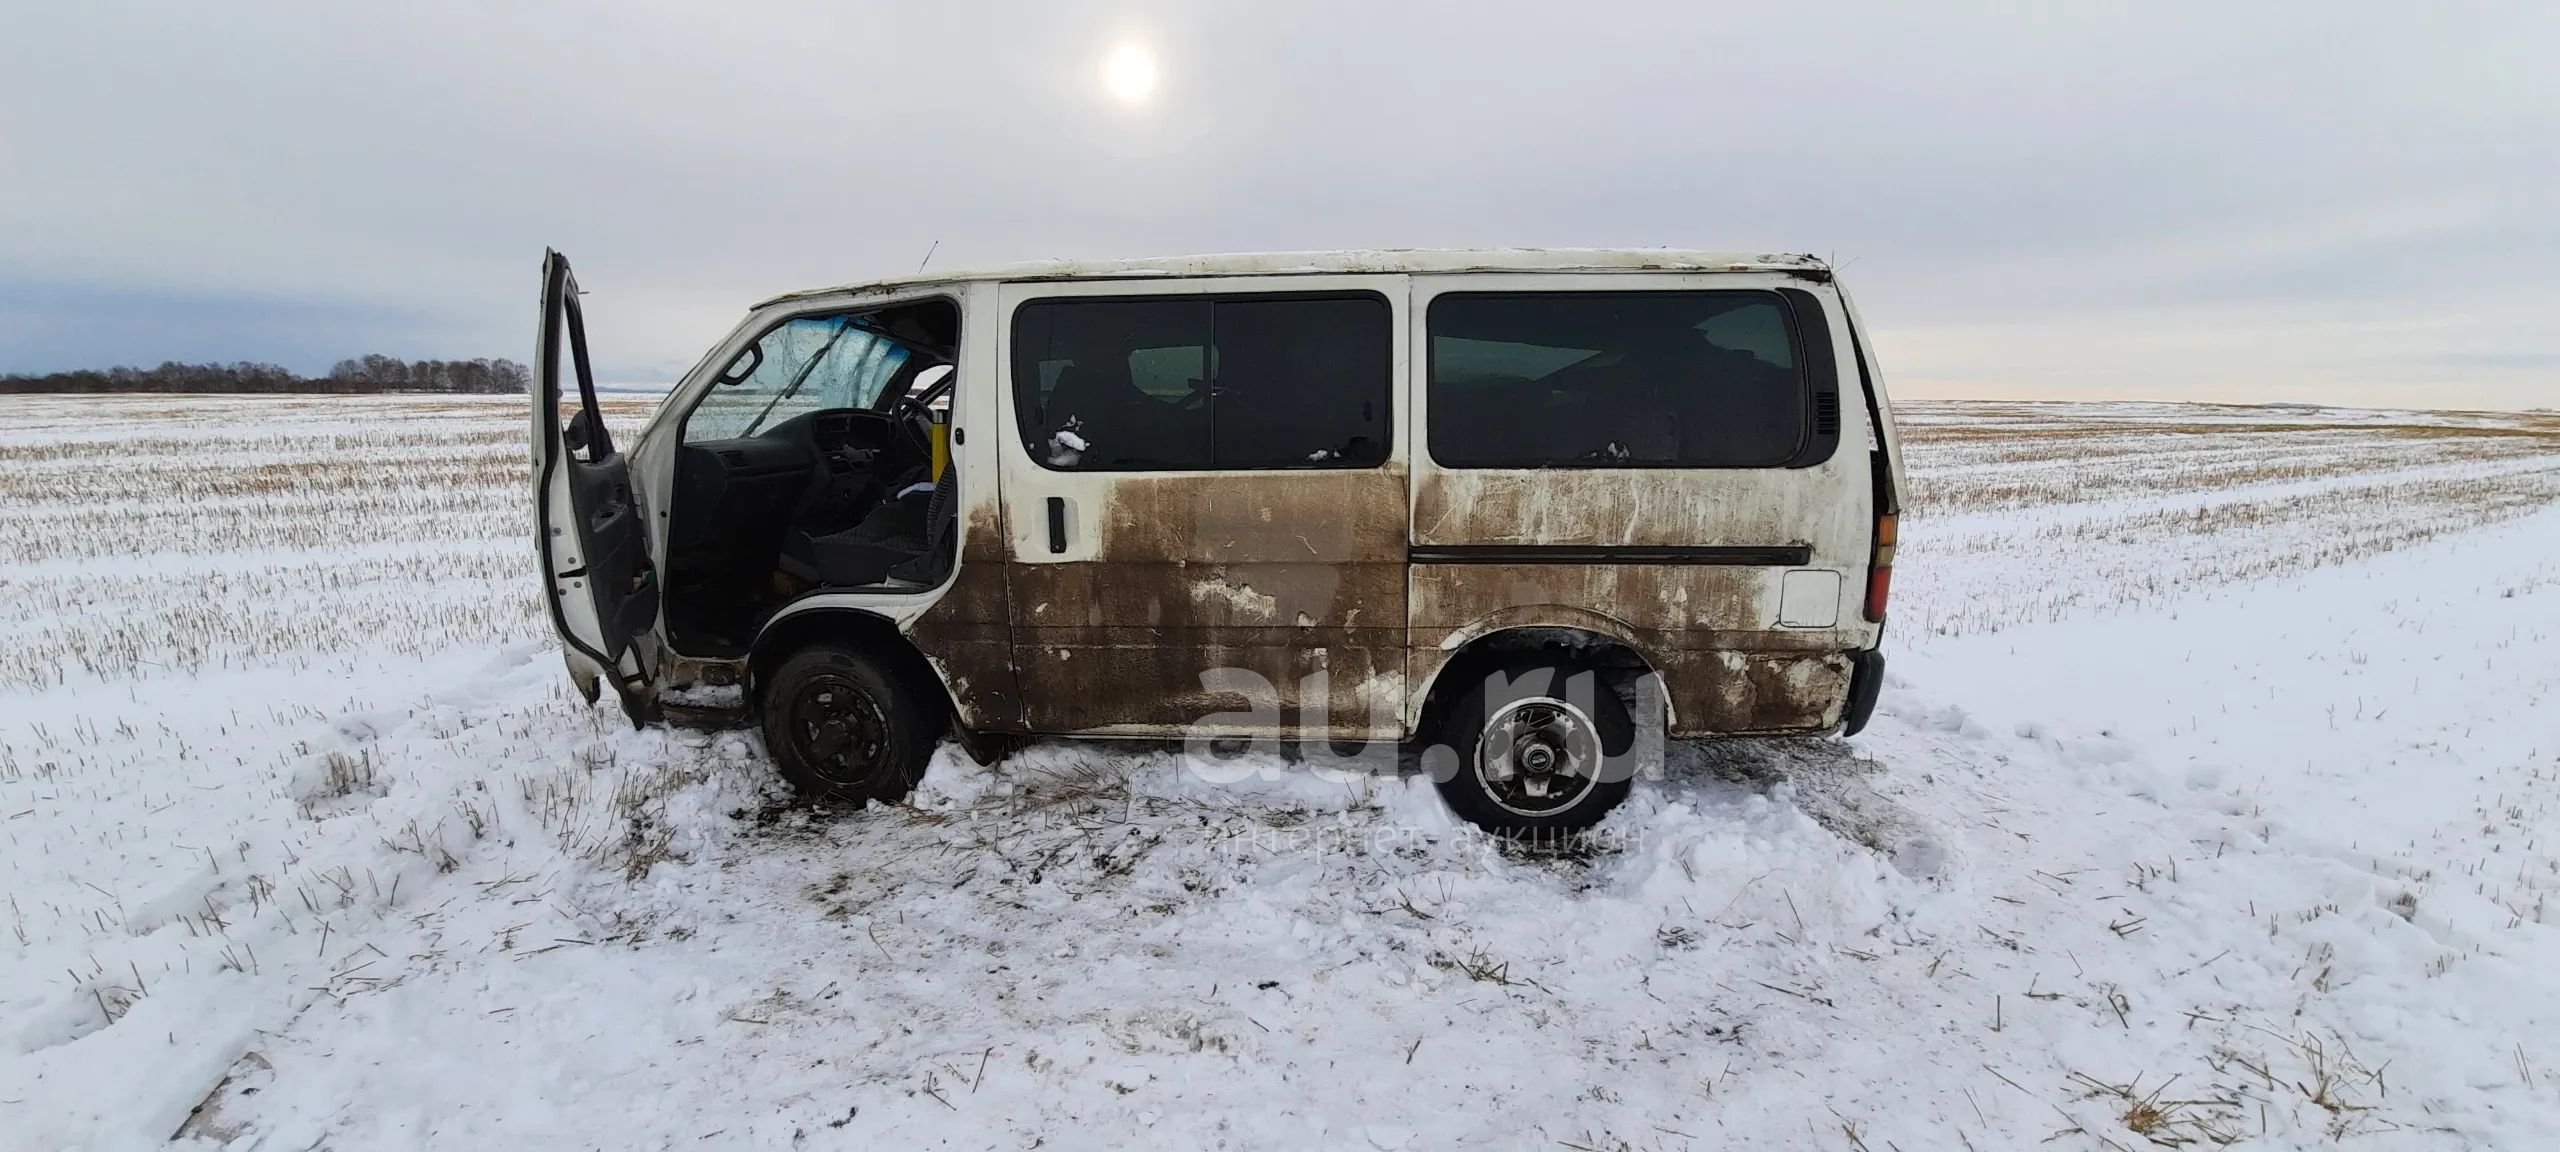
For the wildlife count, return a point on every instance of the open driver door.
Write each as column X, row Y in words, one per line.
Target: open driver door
column 601, row 590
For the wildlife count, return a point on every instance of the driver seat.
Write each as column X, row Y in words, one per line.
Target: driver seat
column 906, row 538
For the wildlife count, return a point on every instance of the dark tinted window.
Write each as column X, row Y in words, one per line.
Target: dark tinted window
column 1201, row 382
column 1614, row 379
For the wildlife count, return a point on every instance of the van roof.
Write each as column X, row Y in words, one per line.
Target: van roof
column 1414, row 261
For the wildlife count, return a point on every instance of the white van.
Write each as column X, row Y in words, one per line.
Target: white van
column 1468, row 498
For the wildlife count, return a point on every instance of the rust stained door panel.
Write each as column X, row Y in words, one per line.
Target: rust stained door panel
column 1155, row 688
column 1283, row 575
column 1283, row 517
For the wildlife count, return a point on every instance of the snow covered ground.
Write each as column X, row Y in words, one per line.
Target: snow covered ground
column 2211, row 801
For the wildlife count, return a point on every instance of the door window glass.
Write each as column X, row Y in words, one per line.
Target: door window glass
column 1301, row 382
column 1230, row 382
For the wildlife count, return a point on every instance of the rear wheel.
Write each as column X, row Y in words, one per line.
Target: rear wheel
column 1538, row 748
column 843, row 728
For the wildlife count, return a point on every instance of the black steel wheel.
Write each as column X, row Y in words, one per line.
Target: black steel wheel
column 843, row 728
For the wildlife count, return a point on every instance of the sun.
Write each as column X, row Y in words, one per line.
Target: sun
column 1129, row 74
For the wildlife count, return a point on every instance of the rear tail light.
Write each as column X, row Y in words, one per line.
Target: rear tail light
column 1880, row 569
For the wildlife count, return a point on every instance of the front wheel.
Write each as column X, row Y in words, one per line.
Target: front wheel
column 1537, row 748
column 843, row 728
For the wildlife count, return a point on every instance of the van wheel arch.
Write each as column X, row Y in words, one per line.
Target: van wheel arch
column 1619, row 660
column 865, row 632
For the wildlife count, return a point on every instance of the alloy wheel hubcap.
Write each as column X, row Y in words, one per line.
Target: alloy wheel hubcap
column 1538, row 756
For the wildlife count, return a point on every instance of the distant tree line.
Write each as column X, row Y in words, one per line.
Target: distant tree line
column 368, row 374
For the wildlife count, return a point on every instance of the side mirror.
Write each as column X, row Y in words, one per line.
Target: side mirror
column 580, row 432
column 744, row 366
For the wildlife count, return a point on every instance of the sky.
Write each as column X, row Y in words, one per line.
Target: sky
column 2346, row 202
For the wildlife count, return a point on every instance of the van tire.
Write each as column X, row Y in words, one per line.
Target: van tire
column 843, row 728
column 1535, row 698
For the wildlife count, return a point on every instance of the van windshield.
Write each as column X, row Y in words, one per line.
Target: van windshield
column 1614, row 379
column 814, row 363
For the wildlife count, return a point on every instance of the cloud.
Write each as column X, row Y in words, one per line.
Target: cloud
column 2061, row 198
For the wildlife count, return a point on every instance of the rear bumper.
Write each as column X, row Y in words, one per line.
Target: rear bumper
column 1866, row 682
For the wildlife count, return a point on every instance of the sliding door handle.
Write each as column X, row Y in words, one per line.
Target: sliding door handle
column 1057, row 525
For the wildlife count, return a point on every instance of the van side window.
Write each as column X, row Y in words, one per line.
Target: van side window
column 1199, row 382
column 1707, row 379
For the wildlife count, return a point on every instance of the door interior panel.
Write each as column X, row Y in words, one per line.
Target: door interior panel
column 617, row 553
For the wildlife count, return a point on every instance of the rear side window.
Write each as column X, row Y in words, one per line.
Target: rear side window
column 1195, row 382
column 1616, row 380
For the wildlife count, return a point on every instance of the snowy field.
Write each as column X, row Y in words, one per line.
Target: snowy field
column 2211, row 802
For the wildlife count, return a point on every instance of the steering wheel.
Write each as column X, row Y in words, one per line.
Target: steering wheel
column 913, row 418
column 914, row 409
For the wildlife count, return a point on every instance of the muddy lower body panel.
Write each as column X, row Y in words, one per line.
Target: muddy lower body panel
column 1710, row 630
column 1179, row 649
column 1286, row 683
column 1720, row 692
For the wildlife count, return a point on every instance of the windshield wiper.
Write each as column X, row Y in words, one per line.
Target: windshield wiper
column 800, row 377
